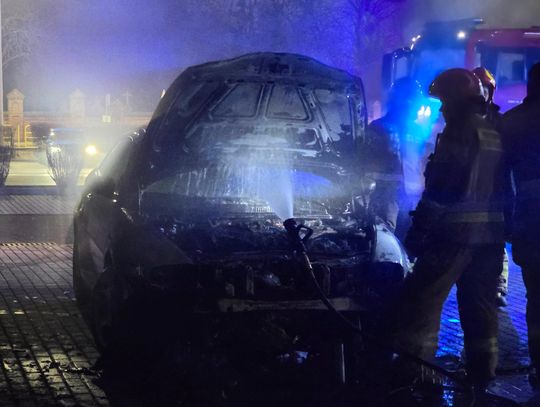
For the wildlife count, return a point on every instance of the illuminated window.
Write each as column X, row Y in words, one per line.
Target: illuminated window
column 511, row 67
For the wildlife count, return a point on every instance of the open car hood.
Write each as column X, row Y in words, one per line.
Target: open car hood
column 266, row 101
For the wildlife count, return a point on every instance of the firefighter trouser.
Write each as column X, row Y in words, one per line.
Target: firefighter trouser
column 475, row 270
column 527, row 256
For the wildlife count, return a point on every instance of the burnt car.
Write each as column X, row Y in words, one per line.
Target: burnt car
column 181, row 229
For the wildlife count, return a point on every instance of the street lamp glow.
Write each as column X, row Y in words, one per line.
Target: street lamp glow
column 91, row 149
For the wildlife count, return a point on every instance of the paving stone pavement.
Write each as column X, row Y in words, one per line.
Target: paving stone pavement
column 46, row 349
column 512, row 326
column 37, row 204
column 513, row 352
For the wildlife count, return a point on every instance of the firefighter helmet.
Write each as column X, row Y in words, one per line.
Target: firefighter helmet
column 488, row 81
column 456, row 85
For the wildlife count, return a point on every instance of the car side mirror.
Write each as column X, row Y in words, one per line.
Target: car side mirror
column 99, row 184
column 104, row 186
column 91, row 178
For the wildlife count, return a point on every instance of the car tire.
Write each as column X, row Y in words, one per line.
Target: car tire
column 104, row 309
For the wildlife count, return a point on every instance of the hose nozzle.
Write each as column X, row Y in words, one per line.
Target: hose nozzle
column 294, row 233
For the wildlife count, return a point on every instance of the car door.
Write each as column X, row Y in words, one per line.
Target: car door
column 101, row 210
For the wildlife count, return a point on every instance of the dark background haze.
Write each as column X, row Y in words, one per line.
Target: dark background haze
column 114, row 46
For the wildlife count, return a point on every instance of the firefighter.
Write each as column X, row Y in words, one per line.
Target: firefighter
column 493, row 115
column 521, row 129
column 393, row 155
column 489, row 85
column 457, row 232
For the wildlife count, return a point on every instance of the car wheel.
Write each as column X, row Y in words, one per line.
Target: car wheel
column 104, row 309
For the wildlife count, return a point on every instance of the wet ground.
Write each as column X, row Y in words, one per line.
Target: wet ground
column 46, row 350
column 45, row 347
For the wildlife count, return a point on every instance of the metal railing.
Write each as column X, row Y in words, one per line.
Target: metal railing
column 23, row 137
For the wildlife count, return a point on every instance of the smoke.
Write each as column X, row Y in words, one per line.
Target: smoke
column 104, row 47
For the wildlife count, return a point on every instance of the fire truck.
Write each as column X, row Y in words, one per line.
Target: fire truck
column 507, row 53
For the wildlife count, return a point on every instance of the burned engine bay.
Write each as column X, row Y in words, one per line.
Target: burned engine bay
column 247, row 256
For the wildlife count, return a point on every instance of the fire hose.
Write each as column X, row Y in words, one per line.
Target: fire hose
column 297, row 241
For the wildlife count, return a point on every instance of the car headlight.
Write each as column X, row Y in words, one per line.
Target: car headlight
column 91, row 150
column 55, row 149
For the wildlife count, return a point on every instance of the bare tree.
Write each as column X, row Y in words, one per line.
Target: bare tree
column 368, row 28
column 256, row 25
column 65, row 163
column 17, row 31
column 350, row 34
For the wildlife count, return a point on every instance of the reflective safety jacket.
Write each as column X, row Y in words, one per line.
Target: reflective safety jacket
column 521, row 130
column 465, row 180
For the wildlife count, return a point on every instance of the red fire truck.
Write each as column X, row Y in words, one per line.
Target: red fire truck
column 507, row 53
